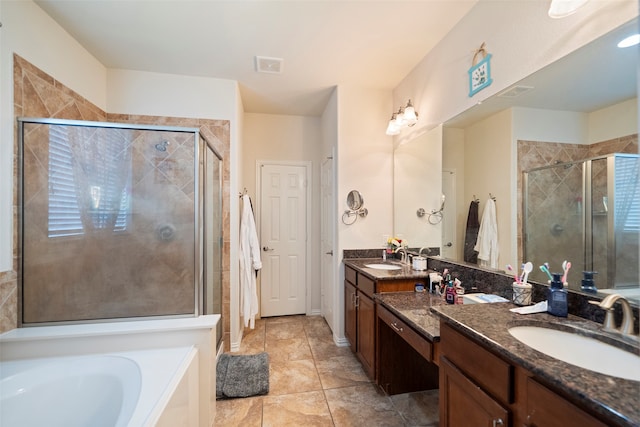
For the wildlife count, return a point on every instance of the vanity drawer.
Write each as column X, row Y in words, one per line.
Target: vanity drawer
column 485, row 368
column 350, row 275
column 403, row 285
column 366, row 285
column 415, row 340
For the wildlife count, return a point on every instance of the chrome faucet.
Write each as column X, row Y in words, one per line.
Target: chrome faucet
column 626, row 326
column 404, row 254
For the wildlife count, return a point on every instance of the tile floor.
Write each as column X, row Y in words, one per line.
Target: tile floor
column 312, row 382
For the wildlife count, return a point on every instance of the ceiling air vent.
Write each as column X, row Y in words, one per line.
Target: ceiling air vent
column 265, row 64
column 515, row 91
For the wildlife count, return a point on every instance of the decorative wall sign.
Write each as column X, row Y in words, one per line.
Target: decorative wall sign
column 480, row 73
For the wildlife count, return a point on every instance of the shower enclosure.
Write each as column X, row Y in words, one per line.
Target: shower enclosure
column 587, row 212
column 117, row 221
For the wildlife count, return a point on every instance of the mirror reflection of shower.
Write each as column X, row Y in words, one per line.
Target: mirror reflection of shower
column 586, row 212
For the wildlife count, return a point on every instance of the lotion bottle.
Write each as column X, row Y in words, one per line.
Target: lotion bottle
column 557, row 297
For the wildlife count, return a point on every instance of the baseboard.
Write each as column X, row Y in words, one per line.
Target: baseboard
column 340, row 342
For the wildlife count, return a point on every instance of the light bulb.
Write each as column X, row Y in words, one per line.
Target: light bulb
column 392, row 128
column 410, row 116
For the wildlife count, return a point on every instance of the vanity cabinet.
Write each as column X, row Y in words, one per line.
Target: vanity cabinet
column 475, row 385
column 359, row 317
column 478, row 387
column 360, row 313
column 405, row 357
column 544, row 408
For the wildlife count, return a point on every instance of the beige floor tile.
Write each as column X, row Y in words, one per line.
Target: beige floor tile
column 362, row 405
column 288, row 349
column 284, row 330
column 324, row 348
column 316, row 326
column 313, row 382
column 293, row 376
column 300, row 409
column 341, row 371
column 245, row 412
column 418, row 409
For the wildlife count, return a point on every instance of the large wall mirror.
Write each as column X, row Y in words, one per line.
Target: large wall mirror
column 581, row 107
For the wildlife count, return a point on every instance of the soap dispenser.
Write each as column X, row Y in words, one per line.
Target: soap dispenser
column 587, row 282
column 557, row 298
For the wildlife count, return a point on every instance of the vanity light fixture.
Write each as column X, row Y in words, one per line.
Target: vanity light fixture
column 562, row 8
column 406, row 116
column 630, row 41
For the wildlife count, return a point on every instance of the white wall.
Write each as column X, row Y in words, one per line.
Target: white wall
column 365, row 163
column 170, row 95
column 488, row 169
column 614, row 121
column 532, row 124
column 269, row 137
column 32, row 34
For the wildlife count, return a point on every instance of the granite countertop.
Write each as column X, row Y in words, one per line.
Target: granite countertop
column 616, row 399
column 406, row 272
column 415, row 309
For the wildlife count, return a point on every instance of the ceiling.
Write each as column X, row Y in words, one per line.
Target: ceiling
column 323, row 43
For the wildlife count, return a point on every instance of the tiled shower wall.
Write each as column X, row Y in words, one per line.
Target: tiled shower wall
column 36, row 94
column 533, row 154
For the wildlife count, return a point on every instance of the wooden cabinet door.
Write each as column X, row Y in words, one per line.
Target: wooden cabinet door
column 366, row 332
column 350, row 321
column 547, row 409
column 463, row 403
column 350, row 314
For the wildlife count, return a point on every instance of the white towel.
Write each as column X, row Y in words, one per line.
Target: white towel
column 487, row 242
column 249, row 263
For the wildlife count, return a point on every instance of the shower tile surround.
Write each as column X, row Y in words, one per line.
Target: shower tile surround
column 36, row 94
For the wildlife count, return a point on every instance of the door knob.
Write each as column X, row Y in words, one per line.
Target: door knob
column 267, row 248
column 449, row 244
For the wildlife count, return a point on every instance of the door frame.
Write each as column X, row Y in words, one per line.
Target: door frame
column 258, row 213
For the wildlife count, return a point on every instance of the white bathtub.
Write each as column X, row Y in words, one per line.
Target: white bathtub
column 136, row 374
column 111, row 390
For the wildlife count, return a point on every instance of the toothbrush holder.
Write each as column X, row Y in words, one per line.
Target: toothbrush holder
column 522, row 293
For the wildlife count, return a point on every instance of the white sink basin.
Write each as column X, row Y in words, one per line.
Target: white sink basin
column 384, row 266
column 579, row 350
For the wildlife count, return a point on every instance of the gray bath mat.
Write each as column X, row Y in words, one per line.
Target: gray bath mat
column 242, row 375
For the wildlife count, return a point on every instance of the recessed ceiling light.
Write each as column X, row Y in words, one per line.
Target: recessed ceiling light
column 630, row 41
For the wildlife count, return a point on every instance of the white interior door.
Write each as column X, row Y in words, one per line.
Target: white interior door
column 326, row 233
column 283, row 232
column 449, row 215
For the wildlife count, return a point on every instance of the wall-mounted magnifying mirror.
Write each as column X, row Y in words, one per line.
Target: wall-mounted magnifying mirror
column 355, row 200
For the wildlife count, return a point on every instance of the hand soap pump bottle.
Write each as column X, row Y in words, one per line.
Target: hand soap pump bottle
column 587, row 282
column 557, row 298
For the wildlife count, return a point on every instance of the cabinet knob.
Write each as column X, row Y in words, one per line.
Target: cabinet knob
column 498, row 422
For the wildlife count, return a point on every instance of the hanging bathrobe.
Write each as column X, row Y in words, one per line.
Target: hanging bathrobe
column 249, row 263
column 487, row 243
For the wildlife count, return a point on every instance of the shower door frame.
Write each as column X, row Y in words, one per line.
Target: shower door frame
column 199, row 148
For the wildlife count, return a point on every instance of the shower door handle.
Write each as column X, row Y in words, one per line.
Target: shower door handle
column 267, row 248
